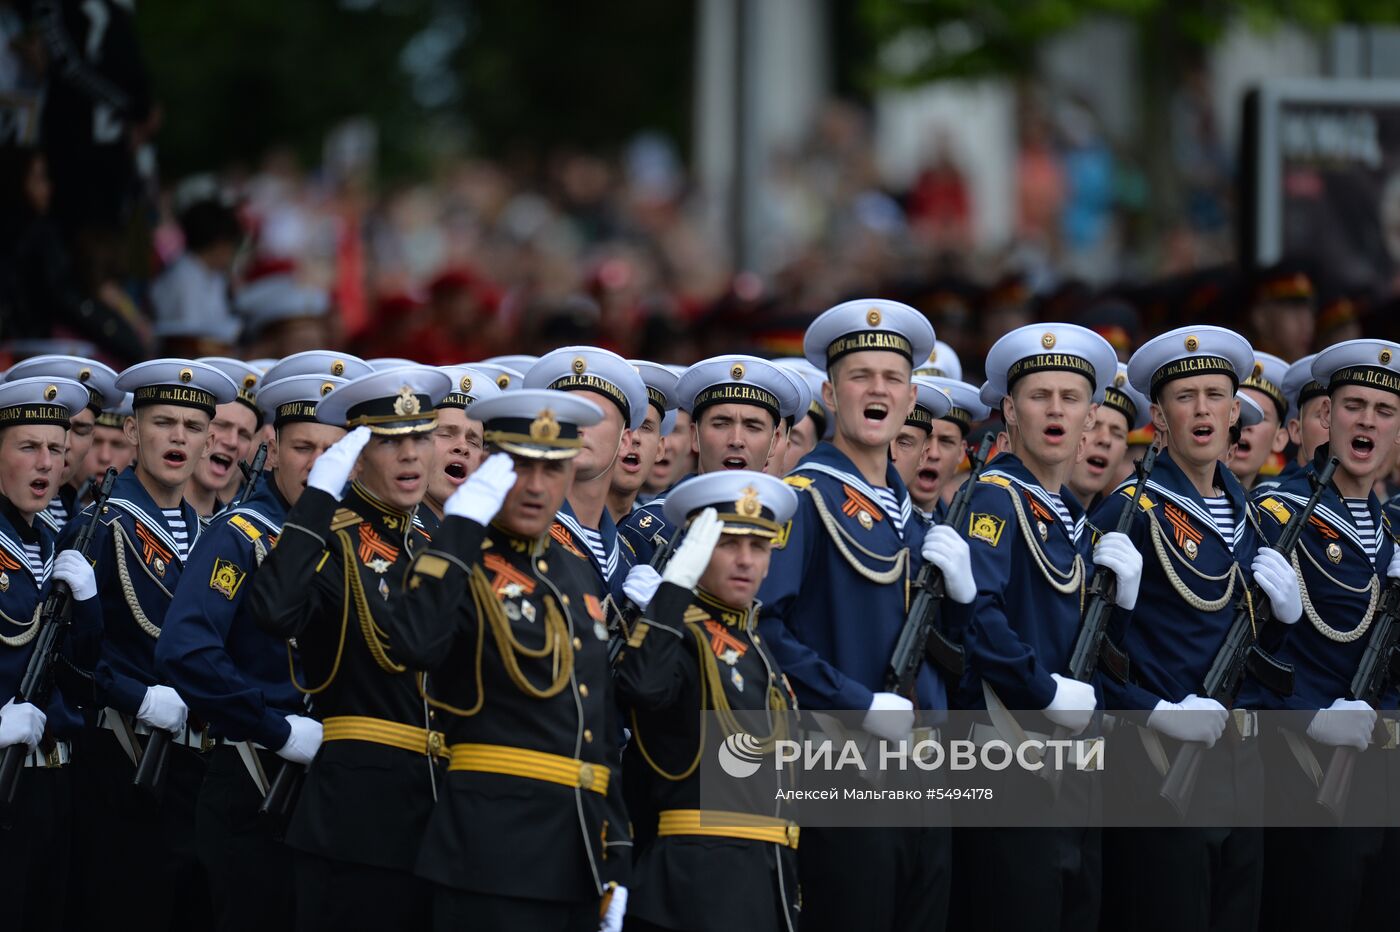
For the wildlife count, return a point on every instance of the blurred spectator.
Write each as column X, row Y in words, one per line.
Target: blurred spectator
column 40, row 295
column 1282, row 311
column 191, row 297
column 1086, row 224
column 940, row 207
column 281, row 316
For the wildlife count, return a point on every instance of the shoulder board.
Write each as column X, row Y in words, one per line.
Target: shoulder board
column 344, row 518
column 695, row 614
column 798, row 482
column 249, row 529
column 1278, row 509
column 1144, row 503
column 1002, row 481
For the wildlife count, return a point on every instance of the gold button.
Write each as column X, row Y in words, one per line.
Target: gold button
column 578, row 643
column 542, row 566
column 565, row 600
column 587, row 735
column 585, row 775
column 583, row 690
column 755, row 639
column 435, row 742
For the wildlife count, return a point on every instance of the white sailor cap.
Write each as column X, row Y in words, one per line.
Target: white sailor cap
column 1122, row 397
column 296, row 397
column 931, row 403
column 536, row 423
column 1052, row 347
column 1250, row 411
column 390, row 362
column 1268, row 376
column 589, row 368
column 661, row 390
column 115, row 416
column 1299, row 386
column 181, row 382
column 744, row 380
column 943, row 362
column 804, row 395
column 1368, row 363
column 100, row 380
column 275, row 298
column 748, row 502
column 469, row 385
column 520, row 362
column 815, row 378
column 506, row 378
column 868, row 324
column 391, row 402
column 244, row 376
column 318, row 362
column 41, row 401
column 262, row 365
column 965, row 401
column 1190, row 351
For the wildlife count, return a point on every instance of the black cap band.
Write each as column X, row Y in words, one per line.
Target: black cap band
column 1275, row 393
column 1189, row 366
column 869, row 340
column 739, row 394
column 1050, row 362
column 1367, row 377
column 1123, row 403
column 959, row 416
column 921, row 418
column 34, row 413
column 586, row 381
column 182, row 395
column 1312, row 389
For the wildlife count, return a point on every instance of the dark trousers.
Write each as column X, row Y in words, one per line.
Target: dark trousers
column 35, row 849
column 464, row 911
column 340, row 896
column 875, row 879
column 139, row 868
column 249, row 869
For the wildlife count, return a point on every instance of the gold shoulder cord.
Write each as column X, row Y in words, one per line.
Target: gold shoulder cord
column 344, row 625
column 374, row 635
column 1160, row 545
column 1323, row 628
column 119, row 541
column 31, row 628
column 1073, row 579
column 844, row 542
column 712, row 689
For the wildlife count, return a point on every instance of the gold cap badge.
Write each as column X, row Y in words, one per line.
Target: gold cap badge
column 544, row 426
column 580, row 365
column 50, row 392
column 737, row 373
column 1191, row 344
column 407, row 402
column 1047, row 340
column 338, row 368
column 748, row 505
column 466, row 383
column 186, row 375
column 872, row 317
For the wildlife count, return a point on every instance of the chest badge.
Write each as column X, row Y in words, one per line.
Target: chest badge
column 158, row 565
column 512, row 611
column 865, row 519
column 1191, row 548
column 1043, row 531
column 527, row 611
column 379, row 565
column 384, row 590
column 1334, row 552
column 4, row 582
column 737, row 679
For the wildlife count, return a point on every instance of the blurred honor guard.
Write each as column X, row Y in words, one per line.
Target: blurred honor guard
column 457, row 438
column 1323, row 876
column 101, row 383
column 938, row 467
column 1104, row 462
column 529, row 831
column 1031, row 555
column 737, row 405
column 334, row 583
column 231, row 441
column 834, row 603
column 1259, row 442
column 139, row 550
column 714, row 661
column 234, row 676
column 1197, row 530
column 35, row 832
column 583, row 523
column 1305, row 424
column 907, row 451
column 642, row 447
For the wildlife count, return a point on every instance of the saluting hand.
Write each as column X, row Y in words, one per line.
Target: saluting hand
column 688, row 563
column 482, row 495
column 332, row 469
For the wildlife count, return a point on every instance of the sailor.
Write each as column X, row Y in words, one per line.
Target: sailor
column 834, row 603
column 110, row 449
column 641, row 449
column 1103, row 460
column 334, row 583
column 139, row 549
column 234, row 676
column 714, row 661
column 1197, row 528
column 908, row 448
column 1305, row 430
column 1321, row 875
column 217, row 475
column 457, row 438
column 1259, row 444
column 529, row 831
column 935, row 479
column 34, row 833
column 100, row 382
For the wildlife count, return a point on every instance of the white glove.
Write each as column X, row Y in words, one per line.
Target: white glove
column 1345, row 723
column 332, row 469
column 617, row 909
column 74, row 569
column 891, row 717
column 481, row 496
column 1192, row 719
column 641, row 584
column 1393, row 570
column 1280, row 584
column 164, row 709
column 21, row 723
column 1073, row 705
column 945, row 549
column 688, row 563
column 1116, row 552
column 304, row 740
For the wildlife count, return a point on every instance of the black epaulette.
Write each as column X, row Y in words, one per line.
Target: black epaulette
column 344, row 518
